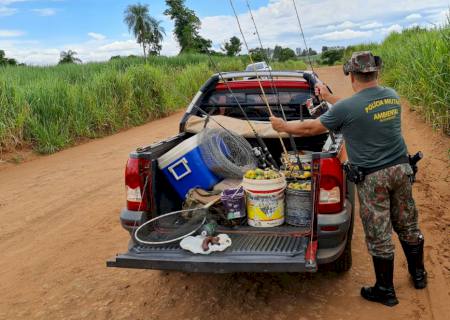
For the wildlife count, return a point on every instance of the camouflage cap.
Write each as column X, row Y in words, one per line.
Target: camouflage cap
column 362, row 61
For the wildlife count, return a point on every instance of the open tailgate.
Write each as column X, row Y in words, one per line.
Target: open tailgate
column 248, row 253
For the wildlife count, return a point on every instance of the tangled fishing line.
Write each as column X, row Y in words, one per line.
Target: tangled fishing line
column 226, row 154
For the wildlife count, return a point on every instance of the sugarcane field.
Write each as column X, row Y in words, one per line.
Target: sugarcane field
column 234, row 159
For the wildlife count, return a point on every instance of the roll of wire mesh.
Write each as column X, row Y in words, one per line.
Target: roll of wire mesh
column 226, row 154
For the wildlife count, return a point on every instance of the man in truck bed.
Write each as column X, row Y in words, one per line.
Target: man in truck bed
column 371, row 124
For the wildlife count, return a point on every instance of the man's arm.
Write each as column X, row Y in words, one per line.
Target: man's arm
column 304, row 129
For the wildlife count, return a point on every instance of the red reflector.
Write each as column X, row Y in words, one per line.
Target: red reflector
column 131, row 223
column 329, row 228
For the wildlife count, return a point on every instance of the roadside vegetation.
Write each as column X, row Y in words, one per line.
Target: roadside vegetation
column 49, row 108
column 417, row 65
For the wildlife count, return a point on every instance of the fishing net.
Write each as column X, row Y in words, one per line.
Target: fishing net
column 226, row 154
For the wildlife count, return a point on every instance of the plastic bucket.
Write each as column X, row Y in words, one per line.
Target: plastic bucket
column 298, row 207
column 265, row 201
column 234, row 202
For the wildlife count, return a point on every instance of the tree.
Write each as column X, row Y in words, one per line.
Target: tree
column 259, row 54
column 283, row 54
column 330, row 57
column 147, row 30
column 155, row 38
column 4, row 61
column 286, row 54
column 187, row 26
column 233, row 47
column 68, row 56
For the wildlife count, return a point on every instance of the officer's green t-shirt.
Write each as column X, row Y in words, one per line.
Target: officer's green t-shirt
column 371, row 125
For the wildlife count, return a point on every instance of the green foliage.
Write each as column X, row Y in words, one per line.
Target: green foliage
column 68, row 57
column 330, row 57
column 285, row 54
column 51, row 108
column 4, row 61
column 147, row 30
column 259, row 54
column 232, row 47
column 187, row 26
column 417, row 64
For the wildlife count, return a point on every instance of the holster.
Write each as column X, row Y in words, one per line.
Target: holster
column 354, row 174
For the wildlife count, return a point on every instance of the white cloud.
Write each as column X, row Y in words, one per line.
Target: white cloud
column 371, row 25
column 96, row 36
column 392, row 28
column 413, row 16
column 344, row 25
column 437, row 17
column 6, row 11
column 277, row 23
column 11, row 33
column 45, row 12
column 346, row 34
column 119, row 46
column 325, row 22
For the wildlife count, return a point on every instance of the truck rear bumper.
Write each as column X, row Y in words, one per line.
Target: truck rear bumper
column 248, row 253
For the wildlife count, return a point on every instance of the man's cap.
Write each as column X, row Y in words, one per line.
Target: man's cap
column 362, row 61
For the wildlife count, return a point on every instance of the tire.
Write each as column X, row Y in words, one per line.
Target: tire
column 344, row 262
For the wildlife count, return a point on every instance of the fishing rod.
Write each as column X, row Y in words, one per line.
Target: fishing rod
column 303, row 36
column 256, row 73
column 257, row 136
column 274, row 88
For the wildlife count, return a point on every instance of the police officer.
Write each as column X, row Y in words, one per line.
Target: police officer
column 370, row 122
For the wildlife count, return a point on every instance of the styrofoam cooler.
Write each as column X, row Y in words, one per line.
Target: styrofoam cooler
column 185, row 169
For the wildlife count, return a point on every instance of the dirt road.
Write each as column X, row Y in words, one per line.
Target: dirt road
column 59, row 223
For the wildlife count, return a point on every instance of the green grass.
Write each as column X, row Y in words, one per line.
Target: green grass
column 50, row 108
column 417, row 65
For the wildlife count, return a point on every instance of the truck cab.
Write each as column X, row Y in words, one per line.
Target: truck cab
column 326, row 244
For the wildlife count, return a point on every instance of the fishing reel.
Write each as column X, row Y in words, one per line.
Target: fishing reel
column 265, row 159
column 316, row 110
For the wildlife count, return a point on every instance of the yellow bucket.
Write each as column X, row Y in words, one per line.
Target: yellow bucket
column 265, row 201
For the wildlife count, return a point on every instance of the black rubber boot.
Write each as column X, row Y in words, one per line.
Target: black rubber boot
column 383, row 290
column 416, row 268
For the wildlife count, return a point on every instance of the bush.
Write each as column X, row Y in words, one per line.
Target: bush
column 416, row 63
column 51, row 108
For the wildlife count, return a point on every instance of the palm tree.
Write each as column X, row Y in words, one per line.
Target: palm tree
column 156, row 37
column 139, row 22
column 68, row 56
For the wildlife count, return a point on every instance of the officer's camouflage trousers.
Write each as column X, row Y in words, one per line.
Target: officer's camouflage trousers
column 386, row 202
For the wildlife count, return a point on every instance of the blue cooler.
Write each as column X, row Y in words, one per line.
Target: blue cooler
column 185, row 168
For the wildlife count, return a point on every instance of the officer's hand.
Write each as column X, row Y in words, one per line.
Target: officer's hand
column 322, row 91
column 278, row 124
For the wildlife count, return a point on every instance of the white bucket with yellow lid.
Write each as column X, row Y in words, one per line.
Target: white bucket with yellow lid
column 265, row 201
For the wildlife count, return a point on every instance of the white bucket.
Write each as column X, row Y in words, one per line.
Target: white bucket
column 265, row 201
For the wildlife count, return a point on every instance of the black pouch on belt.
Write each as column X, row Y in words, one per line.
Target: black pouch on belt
column 354, row 174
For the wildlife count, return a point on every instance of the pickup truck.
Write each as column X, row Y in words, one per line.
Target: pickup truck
column 327, row 244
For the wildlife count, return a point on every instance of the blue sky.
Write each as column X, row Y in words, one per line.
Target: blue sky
column 35, row 31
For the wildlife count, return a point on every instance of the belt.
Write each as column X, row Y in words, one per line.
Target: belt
column 402, row 159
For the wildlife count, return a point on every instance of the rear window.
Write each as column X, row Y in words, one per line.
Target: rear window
column 224, row 103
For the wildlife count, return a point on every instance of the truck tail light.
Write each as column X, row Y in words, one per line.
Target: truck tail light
column 136, row 172
column 331, row 184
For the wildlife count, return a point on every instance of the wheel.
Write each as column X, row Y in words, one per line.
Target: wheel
column 344, row 262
